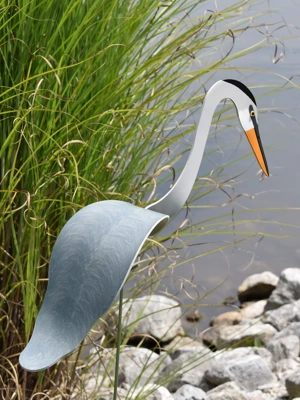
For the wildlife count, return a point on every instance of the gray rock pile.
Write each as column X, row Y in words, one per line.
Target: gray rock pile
column 248, row 354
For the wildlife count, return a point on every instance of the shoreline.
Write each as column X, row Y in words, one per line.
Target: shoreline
column 251, row 353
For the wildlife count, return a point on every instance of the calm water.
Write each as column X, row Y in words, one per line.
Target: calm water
column 279, row 129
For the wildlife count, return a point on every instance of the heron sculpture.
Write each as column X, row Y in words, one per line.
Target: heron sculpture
column 95, row 250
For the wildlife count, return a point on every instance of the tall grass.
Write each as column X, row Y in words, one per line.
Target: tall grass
column 88, row 93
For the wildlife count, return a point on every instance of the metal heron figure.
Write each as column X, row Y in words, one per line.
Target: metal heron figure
column 95, row 250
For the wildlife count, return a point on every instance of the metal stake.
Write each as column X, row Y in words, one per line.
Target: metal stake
column 119, row 335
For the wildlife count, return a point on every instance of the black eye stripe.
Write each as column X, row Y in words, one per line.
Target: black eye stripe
column 252, row 115
column 253, row 118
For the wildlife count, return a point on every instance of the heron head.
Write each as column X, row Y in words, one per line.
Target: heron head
column 248, row 115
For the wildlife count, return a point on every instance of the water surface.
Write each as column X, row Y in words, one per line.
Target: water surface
column 218, row 274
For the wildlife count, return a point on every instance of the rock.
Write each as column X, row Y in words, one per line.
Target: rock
column 292, row 329
column 275, row 391
column 258, row 395
column 257, row 287
column 107, row 394
column 227, row 318
column 248, row 372
column 161, row 393
column 227, row 391
column 210, row 337
column 285, row 367
column 150, row 392
column 232, row 355
column 189, row 392
column 253, row 310
column 93, row 384
column 141, row 366
column 157, row 316
column 187, row 349
column 251, row 321
column 285, row 347
column 102, row 364
column 189, row 368
column 287, row 290
column 181, row 343
column 247, row 333
column 194, row 316
column 292, row 384
column 247, row 304
column 283, row 315
column 138, row 366
column 230, row 300
column 244, row 335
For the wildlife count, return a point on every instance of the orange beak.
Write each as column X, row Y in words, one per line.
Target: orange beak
column 254, row 140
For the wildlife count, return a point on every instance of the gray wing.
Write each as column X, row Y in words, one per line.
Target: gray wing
column 89, row 264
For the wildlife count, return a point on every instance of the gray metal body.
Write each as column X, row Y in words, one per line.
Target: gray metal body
column 95, row 250
column 91, row 259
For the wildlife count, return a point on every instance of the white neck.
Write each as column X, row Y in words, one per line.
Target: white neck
column 172, row 202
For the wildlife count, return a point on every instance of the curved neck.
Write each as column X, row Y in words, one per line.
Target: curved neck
column 172, row 202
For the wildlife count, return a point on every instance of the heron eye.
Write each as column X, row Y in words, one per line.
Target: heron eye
column 252, row 113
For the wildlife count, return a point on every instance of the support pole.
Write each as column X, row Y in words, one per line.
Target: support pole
column 119, row 335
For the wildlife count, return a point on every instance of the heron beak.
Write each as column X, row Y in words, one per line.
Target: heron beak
column 254, row 140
